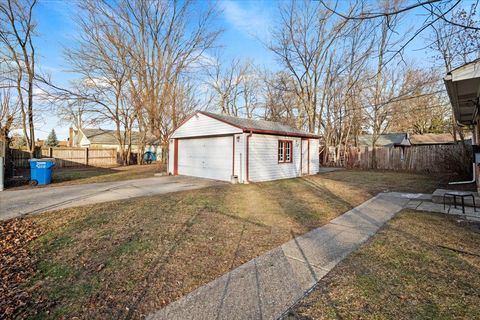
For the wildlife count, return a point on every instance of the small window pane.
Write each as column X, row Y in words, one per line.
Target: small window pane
column 288, row 154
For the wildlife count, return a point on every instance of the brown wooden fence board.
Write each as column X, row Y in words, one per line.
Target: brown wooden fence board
column 68, row 157
column 428, row 159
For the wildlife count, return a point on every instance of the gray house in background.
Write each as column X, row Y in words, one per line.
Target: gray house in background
column 385, row 140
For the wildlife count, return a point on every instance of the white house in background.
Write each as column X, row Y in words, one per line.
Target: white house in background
column 241, row 150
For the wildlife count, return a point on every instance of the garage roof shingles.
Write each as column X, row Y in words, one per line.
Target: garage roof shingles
column 259, row 126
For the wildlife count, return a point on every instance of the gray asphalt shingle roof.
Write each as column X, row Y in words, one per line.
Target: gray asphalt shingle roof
column 384, row 140
column 103, row 136
column 259, row 125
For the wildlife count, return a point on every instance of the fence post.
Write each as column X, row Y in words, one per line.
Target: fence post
column 86, row 157
column 50, row 152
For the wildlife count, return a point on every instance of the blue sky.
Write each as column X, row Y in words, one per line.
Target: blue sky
column 244, row 23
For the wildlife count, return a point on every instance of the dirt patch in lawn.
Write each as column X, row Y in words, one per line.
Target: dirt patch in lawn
column 420, row 266
column 128, row 258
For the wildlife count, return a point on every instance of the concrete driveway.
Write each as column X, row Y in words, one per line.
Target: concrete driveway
column 31, row 201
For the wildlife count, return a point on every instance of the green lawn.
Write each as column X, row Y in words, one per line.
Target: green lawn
column 129, row 258
column 420, row 266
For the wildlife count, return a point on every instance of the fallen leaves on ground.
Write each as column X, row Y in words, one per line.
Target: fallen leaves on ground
column 17, row 264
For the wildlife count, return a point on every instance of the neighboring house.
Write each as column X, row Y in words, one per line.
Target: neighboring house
column 463, row 87
column 240, row 150
column 102, row 138
column 435, row 139
column 385, row 140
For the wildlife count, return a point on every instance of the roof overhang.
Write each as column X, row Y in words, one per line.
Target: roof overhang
column 259, row 131
column 463, row 87
column 282, row 133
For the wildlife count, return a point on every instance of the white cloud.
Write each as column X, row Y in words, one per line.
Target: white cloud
column 247, row 17
column 102, row 82
column 203, row 59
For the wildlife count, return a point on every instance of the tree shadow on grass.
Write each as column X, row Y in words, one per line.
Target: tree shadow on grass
column 302, row 205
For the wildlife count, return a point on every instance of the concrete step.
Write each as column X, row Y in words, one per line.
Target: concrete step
column 437, row 197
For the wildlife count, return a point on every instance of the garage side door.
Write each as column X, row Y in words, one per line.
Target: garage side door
column 206, row 157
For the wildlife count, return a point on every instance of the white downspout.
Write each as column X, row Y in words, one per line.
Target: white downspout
column 465, row 182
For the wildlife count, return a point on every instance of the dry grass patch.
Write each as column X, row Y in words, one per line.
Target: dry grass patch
column 125, row 259
column 420, row 266
column 73, row 176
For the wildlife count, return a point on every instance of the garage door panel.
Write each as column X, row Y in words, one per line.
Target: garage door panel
column 206, row 157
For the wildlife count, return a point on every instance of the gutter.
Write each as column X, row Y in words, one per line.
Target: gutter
column 282, row 133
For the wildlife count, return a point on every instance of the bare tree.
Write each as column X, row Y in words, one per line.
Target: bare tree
column 456, row 41
column 76, row 113
column 456, row 45
column 301, row 46
column 17, row 51
column 424, row 109
column 280, row 101
column 166, row 42
column 8, row 114
column 103, row 86
column 234, row 87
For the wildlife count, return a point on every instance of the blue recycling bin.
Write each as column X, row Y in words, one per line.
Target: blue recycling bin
column 41, row 171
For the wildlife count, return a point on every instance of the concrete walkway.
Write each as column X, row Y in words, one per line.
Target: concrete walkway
column 31, row 201
column 265, row 287
column 425, row 204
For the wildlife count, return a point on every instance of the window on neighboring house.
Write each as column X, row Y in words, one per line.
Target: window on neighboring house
column 285, row 151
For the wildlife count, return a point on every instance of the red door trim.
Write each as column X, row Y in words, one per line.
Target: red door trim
column 175, row 157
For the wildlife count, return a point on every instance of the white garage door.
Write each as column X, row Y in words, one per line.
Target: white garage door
column 206, row 157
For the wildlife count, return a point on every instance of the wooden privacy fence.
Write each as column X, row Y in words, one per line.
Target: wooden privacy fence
column 429, row 158
column 68, row 157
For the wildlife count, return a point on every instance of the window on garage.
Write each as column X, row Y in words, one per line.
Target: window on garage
column 285, row 151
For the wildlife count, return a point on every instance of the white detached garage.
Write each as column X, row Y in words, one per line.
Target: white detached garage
column 229, row 148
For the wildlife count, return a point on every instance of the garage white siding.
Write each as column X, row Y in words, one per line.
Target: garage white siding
column 202, row 125
column 171, row 152
column 314, row 156
column 215, row 147
column 210, row 157
column 240, row 157
column 263, row 158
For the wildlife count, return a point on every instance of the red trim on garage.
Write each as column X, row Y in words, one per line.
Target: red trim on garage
column 282, row 133
column 175, row 157
column 182, row 123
